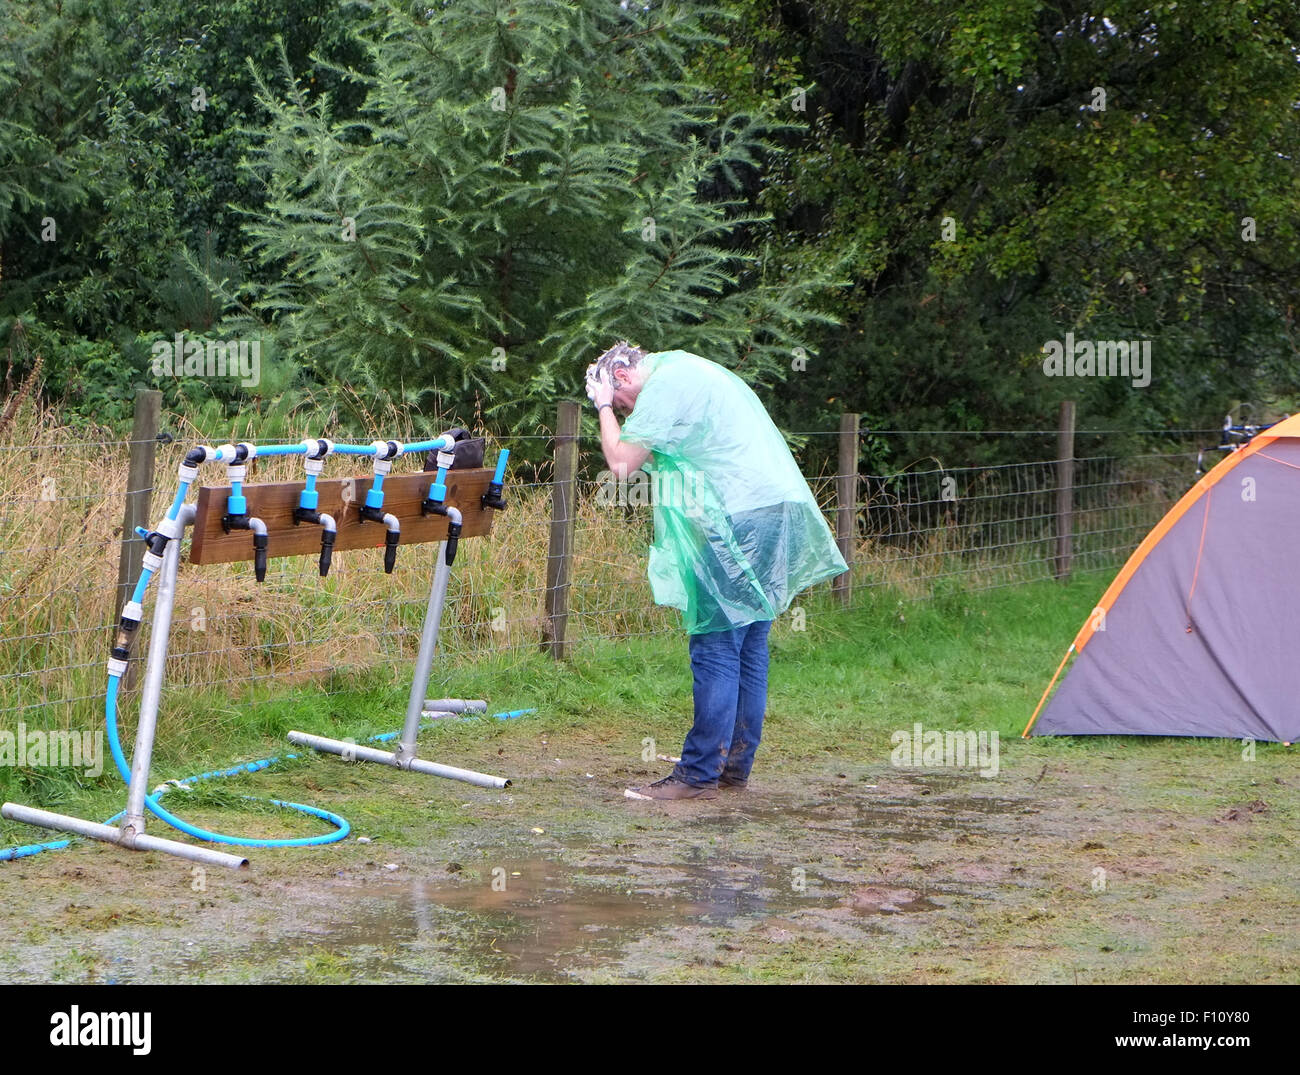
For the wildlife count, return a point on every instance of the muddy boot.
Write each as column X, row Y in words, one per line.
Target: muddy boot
column 731, row 783
column 672, row 788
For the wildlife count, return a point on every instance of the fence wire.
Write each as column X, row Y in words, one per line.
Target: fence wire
column 61, row 507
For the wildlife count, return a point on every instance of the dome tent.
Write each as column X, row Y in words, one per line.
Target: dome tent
column 1197, row 635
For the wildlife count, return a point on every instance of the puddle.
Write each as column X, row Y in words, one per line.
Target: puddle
column 881, row 899
column 880, row 817
column 556, row 919
column 551, row 919
column 898, row 867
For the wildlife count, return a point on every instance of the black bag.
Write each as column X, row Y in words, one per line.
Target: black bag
column 467, row 453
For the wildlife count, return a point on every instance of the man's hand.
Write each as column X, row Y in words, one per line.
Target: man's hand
column 622, row 458
column 600, row 387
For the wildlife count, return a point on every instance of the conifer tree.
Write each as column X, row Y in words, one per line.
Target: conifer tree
column 526, row 183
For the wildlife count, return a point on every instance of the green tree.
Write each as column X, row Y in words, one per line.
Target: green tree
column 1114, row 214
column 524, row 184
column 121, row 131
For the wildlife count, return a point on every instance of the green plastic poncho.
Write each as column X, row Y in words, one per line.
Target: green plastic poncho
column 737, row 531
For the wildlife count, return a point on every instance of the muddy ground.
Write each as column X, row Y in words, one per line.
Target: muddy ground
column 1165, row 861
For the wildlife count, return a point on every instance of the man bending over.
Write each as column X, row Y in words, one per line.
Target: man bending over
column 737, row 536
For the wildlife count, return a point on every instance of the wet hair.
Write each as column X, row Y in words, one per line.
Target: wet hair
column 622, row 355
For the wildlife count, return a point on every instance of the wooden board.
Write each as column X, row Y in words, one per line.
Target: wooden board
column 273, row 503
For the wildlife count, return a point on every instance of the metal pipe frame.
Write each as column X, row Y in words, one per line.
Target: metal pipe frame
column 151, row 694
column 417, row 708
column 46, row 819
column 453, row 705
column 131, row 833
column 424, row 657
column 357, row 752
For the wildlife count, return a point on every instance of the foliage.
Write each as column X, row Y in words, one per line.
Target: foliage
column 1122, row 223
column 528, row 183
column 112, row 182
column 521, row 188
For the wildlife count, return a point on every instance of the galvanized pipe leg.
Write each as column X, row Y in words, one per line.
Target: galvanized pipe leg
column 108, row 834
column 424, row 658
column 404, row 756
column 151, row 695
column 131, row 834
column 454, row 705
column 357, row 752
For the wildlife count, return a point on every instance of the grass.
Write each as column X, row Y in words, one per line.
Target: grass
column 973, row 661
column 1196, row 888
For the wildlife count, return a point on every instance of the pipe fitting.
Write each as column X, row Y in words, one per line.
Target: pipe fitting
column 250, row 522
column 259, row 548
column 391, row 539
column 493, row 498
column 170, row 528
column 132, row 614
column 454, row 526
column 329, row 531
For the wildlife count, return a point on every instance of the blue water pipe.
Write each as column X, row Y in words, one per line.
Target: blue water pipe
column 341, row 823
column 492, row 498
column 509, row 714
column 309, row 500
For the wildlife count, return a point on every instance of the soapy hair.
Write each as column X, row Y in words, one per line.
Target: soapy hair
column 622, row 355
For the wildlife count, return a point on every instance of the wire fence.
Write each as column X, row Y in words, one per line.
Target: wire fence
column 61, row 506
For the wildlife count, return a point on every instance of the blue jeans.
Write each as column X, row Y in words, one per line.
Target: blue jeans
column 730, row 672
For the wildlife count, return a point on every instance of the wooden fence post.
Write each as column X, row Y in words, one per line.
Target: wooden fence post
column 1064, row 490
column 139, row 495
column 846, row 504
column 559, row 559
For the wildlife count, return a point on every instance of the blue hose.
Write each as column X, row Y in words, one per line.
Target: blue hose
column 443, row 443
column 340, row 823
column 342, row 828
column 27, row 850
column 281, row 449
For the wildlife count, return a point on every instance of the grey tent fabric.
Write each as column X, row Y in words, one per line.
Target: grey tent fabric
column 1225, row 661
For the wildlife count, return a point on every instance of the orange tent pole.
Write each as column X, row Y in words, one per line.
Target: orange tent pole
column 1025, row 733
